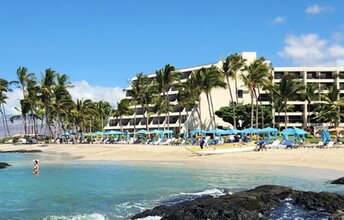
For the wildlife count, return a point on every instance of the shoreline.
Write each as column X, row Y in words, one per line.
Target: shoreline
column 302, row 157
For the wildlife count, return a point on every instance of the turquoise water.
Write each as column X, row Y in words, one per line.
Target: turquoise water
column 75, row 190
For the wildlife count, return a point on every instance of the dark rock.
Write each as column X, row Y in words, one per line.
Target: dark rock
column 329, row 202
column 20, row 151
column 338, row 181
column 4, row 165
column 251, row 204
column 338, row 215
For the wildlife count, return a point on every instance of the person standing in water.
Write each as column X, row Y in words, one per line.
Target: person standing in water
column 35, row 167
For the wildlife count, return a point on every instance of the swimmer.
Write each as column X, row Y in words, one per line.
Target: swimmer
column 35, row 168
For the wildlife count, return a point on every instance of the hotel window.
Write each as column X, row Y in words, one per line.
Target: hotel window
column 240, row 93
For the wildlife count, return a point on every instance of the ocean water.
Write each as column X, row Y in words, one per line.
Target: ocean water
column 83, row 190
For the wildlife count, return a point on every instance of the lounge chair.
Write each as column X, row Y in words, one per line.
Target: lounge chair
column 276, row 145
column 329, row 145
column 320, row 144
column 166, row 142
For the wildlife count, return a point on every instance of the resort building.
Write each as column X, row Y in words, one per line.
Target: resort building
column 322, row 77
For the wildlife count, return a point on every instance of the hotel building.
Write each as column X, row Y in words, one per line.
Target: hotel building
column 322, row 77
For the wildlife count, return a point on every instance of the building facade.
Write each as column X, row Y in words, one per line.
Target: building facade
column 321, row 77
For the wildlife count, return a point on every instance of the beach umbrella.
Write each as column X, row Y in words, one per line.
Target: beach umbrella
column 249, row 131
column 325, row 135
column 127, row 135
column 185, row 135
column 169, row 132
column 113, row 132
column 142, row 131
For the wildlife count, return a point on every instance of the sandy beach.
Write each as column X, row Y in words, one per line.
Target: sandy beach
column 305, row 157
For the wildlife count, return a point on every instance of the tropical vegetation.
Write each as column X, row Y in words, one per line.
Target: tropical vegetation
column 48, row 107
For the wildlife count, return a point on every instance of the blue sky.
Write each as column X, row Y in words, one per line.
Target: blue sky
column 101, row 44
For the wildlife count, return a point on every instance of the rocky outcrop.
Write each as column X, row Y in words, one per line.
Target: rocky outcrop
column 252, row 204
column 338, row 181
column 338, row 215
column 20, row 151
column 4, row 165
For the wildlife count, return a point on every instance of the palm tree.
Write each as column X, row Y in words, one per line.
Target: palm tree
column 3, row 97
column 24, row 77
column 85, row 110
column 257, row 76
column 123, row 108
column 208, row 79
column 330, row 109
column 192, row 89
column 103, row 111
column 165, row 79
column 159, row 106
column 62, row 103
column 136, row 92
column 4, row 88
column 289, row 88
column 309, row 95
column 47, row 85
column 230, row 68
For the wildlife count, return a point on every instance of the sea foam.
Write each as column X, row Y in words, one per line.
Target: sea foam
column 93, row 216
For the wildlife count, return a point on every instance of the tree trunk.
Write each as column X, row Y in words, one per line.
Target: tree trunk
column 158, row 121
column 252, row 110
column 261, row 110
column 135, row 120
column 308, row 115
column 165, row 111
column 120, row 123
column 236, row 89
column 200, row 117
column 168, row 111
column 231, row 102
column 179, row 123
column 209, row 109
column 285, row 115
column 3, row 122
column 212, row 107
column 6, row 124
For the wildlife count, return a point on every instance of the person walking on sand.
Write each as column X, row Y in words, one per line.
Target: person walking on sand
column 35, row 168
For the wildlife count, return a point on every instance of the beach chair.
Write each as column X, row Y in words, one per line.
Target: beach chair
column 329, row 145
column 166, row 142
column 276, row 145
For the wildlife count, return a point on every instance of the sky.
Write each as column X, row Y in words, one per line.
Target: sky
column 101, row 44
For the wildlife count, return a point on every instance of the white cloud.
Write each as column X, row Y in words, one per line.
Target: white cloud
column 278, row 20
column 311, row 50
column 13, row 101
column 81, row 90
column 315, row 9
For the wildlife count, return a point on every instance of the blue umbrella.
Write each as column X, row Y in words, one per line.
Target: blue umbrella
column 325, row 135
column 250, row 131
column 185, row 135
column 127, row 135
column 142, row 131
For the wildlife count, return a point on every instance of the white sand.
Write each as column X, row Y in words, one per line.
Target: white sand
column 305, row 157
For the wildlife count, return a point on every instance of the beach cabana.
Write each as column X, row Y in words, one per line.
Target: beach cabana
column 169, row 132
column 215, row 131
column 113, row 132
column 296, row 132
column 270, row 131
column 156, row 131
column 250, row 131
column 142, row 131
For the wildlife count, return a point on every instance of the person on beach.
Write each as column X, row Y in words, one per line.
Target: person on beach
column 202, row 143
column 35, row 168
